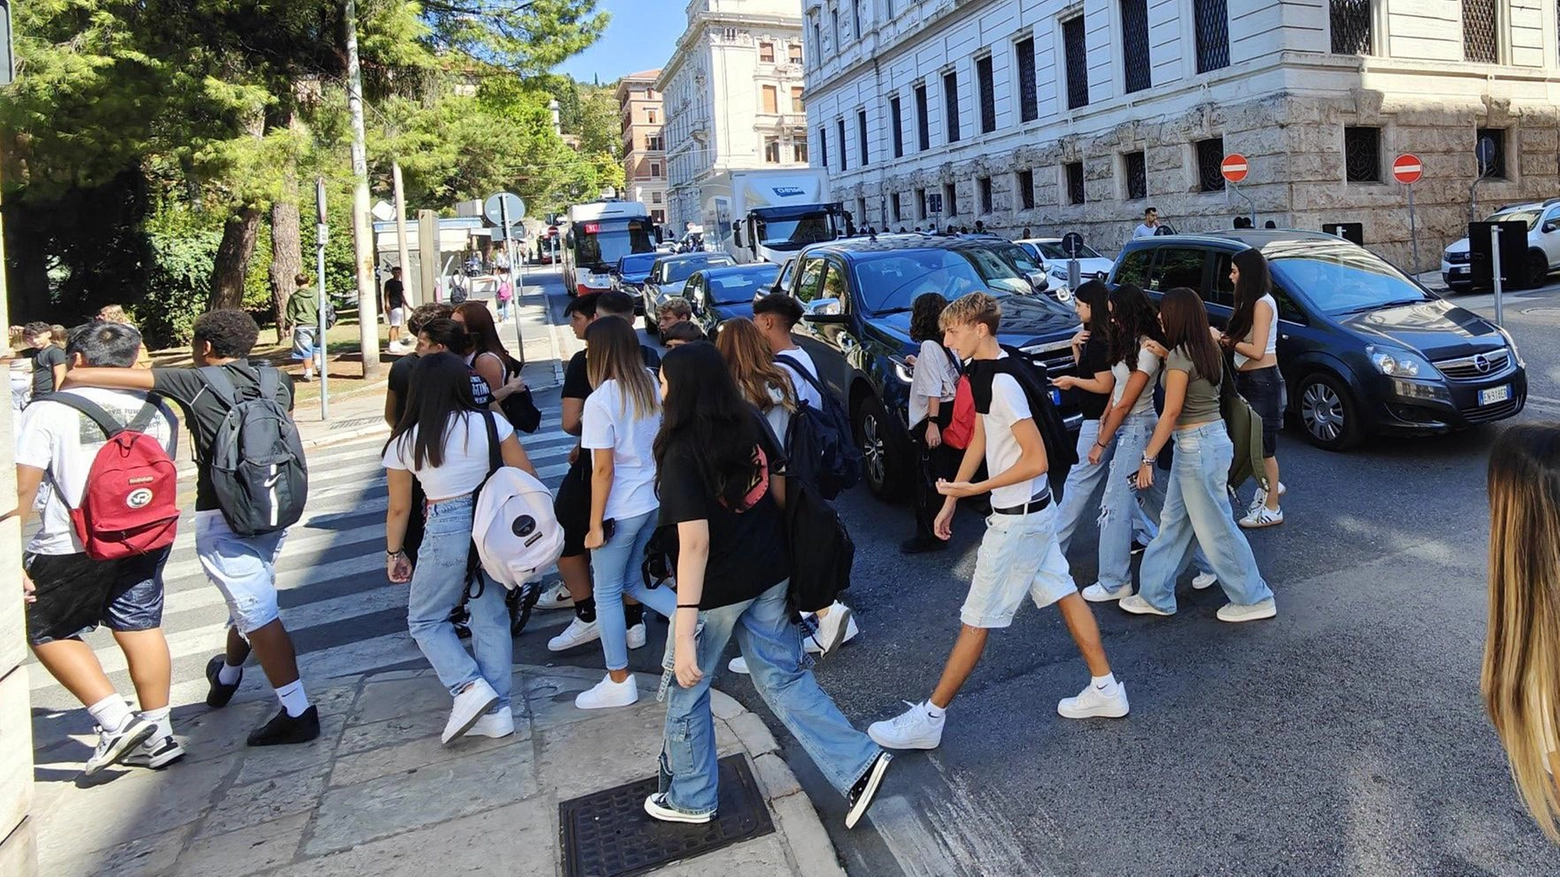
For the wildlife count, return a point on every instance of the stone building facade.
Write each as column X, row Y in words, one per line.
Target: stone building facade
column 1067, row 116
column 733, row 96
column 644, row 143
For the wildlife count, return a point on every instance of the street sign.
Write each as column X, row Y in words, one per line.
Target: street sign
column 1234, row 167
column 504, row 207
column 8, row 60
column 552, row 231
column 1353, row 232
column 1072, row 244
column 1407, row 169
column 934, row 202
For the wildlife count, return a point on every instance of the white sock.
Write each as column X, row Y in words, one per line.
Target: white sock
column 934, row 710
column 1105, row 681
column 110, row 713
column 229, row 674
column 293, row 698
column 161, row 720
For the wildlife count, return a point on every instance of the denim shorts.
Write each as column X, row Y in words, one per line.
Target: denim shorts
column 75, row 593
column 1018, row 555
column 242, row 567
column 1263, row 390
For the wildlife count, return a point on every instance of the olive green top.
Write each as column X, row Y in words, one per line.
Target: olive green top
column 1202, row 395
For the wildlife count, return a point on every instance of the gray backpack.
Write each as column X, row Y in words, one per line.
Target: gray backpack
column 256, row 459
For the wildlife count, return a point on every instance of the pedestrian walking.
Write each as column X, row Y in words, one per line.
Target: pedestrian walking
column 720, row 483
column 395, row 308
column 1521, row 678
column 1094, row 384
column 1149, row 226
column 68, row 591
column 20, row 370
column 303, row 315
column 671, row 312
column 399, row 381
column 505, row 293
column 765, row 385
column 933, row 381
column 446, row 335
column 445, row 441
column 48, row 359
column 487, row 355
column 618, row 428
column 1197, row 505
column 1018, row 555
column 242, row 567
column 1252, row 335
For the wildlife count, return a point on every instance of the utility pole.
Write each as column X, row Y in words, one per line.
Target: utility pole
column 362, row 231
column 402, row 253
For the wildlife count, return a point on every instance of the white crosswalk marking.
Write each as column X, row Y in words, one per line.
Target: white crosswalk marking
column 344, row 616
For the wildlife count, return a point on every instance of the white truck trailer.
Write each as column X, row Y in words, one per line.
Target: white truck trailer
column 766, row 215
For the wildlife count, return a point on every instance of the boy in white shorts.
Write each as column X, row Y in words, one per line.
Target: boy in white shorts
column 1019, row 554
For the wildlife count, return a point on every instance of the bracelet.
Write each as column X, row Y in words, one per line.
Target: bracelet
column 687, row 605
column 395, row 553
column 1099, row 444
column 1149, row 461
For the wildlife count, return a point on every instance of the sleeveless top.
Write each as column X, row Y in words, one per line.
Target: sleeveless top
column 1272, row 338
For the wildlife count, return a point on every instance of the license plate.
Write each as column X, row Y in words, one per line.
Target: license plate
column 1056, row 398
column 1494, row 394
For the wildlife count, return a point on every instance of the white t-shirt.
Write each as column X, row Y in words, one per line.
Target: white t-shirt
column 934, row 375
column 1009, row 405
column 607, row 423
column 64, row 442
column 804, row 390
column 1147, row 363
column 1272, row 336
column 465, row 456
column 1145, row 231
column 779, row 418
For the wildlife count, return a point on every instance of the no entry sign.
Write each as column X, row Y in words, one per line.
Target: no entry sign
column 1407, row 169
column 1233, row 167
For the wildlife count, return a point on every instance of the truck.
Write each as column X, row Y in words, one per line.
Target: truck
column 596, row 235
column 768, row 215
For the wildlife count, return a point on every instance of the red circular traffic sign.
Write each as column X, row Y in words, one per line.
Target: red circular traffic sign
column 1407, row 169
column 1233, row 167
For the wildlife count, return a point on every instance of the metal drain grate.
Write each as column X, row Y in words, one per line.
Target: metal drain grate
column 608, row 833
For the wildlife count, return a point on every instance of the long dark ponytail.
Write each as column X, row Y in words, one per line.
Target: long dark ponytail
column 1255, row 281
column 440, row 389
column 705, row 416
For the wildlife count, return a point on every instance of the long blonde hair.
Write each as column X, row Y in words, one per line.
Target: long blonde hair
column 1521, row 679
column 612, row 354
column 752, row 364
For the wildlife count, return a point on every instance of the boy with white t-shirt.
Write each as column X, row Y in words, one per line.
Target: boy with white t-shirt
column 1019, row 554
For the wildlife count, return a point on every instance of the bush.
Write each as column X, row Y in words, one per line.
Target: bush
column 178, row 282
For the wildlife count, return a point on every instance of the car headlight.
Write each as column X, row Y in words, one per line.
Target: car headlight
column 1400, row 363
column 902, row 370
column 1512, row 343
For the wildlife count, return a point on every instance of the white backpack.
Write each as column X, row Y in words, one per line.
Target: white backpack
column 513, row 527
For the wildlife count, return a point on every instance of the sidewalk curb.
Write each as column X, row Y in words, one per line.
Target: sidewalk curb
column 346, row 435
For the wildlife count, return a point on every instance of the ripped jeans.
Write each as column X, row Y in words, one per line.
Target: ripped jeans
column 1085, row 484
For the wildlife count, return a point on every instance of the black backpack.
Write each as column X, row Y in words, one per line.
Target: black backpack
column 820, row 548
column 256, row 459
column 1060, row 449
column 820, row 446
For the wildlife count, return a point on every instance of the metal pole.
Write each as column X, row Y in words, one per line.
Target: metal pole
column 321, row 235
column 1500, row 310
column 401, row 250
column 517, row 268
column 1413, row 229
column 362, row 231
column 509, row 257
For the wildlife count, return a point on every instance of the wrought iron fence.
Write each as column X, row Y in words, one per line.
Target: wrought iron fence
column 1137, row 175
column 1210, row 154
column 1028, row 101
column 1481, row 40
column 1077, row 63
column 988, row 95
column 1362, row 155
column 1075, row 182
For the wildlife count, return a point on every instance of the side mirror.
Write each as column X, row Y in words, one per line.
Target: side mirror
column 824, row 310
column 736, row 232
column 1550, row 226
column 1039, row 281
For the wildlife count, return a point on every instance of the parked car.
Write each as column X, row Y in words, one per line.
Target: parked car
column 630, row 275
column 857, row 294
column 1543, row 224
column 1363, row 347
column 1054, row 261
column 1018, row 258
column 667, row 277
column 719, row 294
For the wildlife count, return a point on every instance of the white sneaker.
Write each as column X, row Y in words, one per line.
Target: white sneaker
column 154, row 753
column 499, row 723
column 1259, row 499
column 1098, row 593
column 1139, row 606
column 637, row 636
column 555, row 596
column 478, row 698
column 912, row 729
column 832, row 628
column 655, row 805
column 1255, row 612
column 1262, row 517
column 112, row 746
column 738, row 665
column 1094, row 702
column 577, row 634
column 608, row 694
column 1204, row 580
column 810, row 643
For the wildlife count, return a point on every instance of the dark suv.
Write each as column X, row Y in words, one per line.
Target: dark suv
column 1362, row 346
column 857, row 295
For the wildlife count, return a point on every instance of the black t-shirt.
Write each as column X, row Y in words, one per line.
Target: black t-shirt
column 401, row 381
column 576, row 380
column 395, row 293
column 748, row 553
column 204, row 412
column 44, row 362
column 1091, row 361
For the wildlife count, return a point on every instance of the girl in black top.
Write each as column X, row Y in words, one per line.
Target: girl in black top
column 1094, row 383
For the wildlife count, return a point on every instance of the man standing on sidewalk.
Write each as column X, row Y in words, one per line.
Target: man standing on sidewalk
column 1150, row 226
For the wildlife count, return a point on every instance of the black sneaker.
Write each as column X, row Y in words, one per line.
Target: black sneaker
column 220, row 694
column 921, row 545
column 284, row 730
column 865, row 789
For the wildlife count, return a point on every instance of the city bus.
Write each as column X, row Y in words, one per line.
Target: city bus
column 596, row 235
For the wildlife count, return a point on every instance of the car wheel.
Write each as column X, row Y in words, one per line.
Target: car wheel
column 1537, row 269
column 1328, row 413
column 883, row 459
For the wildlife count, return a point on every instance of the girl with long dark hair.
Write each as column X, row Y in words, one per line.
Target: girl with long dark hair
column 1252, row 335
column 1095, row 383
column 718, row 476
column 1197, row 505
column 932, row 386
column 487, row 355
column 443, row 441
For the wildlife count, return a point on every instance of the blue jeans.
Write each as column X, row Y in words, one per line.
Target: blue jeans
column 437, row 583
column 615, row 567
column 1085, row 485
column 1123, row 509
column 773, row 648
column 1197, row 513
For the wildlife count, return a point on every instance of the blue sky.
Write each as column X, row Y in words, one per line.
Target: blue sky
column 640, row 37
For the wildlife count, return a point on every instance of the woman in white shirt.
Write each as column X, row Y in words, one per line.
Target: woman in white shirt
column 932, row 385
column 444, row 441
column 618, row 427
column 1252, row 334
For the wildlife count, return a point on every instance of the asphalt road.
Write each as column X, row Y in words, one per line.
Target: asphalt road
column 1345, row 737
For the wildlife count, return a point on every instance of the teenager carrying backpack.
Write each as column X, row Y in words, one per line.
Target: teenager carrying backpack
column 961, row 425
column 819, row 444
column 514, row 531
column 256, row 460
column 131, row 502
column 1060, row 450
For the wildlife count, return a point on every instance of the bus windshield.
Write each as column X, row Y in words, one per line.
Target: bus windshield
column 599, row 245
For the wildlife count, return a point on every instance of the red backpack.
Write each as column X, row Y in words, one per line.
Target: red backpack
column 131, row 502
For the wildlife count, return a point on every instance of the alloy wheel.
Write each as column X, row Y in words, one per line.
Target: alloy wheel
column 872, row 452
column 1322, row 412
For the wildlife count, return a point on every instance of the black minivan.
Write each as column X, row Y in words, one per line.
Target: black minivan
column 1362, row 346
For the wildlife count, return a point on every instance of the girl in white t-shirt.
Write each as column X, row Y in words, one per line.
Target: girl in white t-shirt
column 618, row 427
column 444, row 441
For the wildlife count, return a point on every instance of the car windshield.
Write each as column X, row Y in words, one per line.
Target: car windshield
column 1341, row 279
column 1017, row 257
column 1530, row 217
column 1051, row 251
column 793, row 234
column 889, row 282
column 638, row 263
column 740, row 287
column 682, row 269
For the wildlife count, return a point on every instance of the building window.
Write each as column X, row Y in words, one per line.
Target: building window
column 823, row 145
column 794, row 53
column 1077, row 63
column 951, row 200
column 817, row 41
column 771, row 99
column 1136, row 166
column 988, row 95
column 1362, row 155
column 653, row 142
column 1210, row 155
column 766, row 53
column 923, row 124
column 797, row 106
column 840, row 126
column 855, row 18
column 655, row 197
column 951, row 104
column 839, row 36
column 1495, row 168
column 1351, row 27
column 1212, row 20
column 1026, row 189
column 650, row 116
column 920, row 203
column 1481, row 31
column 772, row 150
column 658, row 217
column 1028, row 99
column 897, row 208
column 985, row 195
column 1074, row 171
column 897, row 124
column 655, row 170
column 861, row 211
column 1134, row 45
column 799, row 151
column 861, row 136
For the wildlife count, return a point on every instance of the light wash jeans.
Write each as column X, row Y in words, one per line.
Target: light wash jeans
column 437, row 583
column 1124, row 508
column 772, row 645
column 615, row 567
column 1085, row 486
column 1197, row 513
